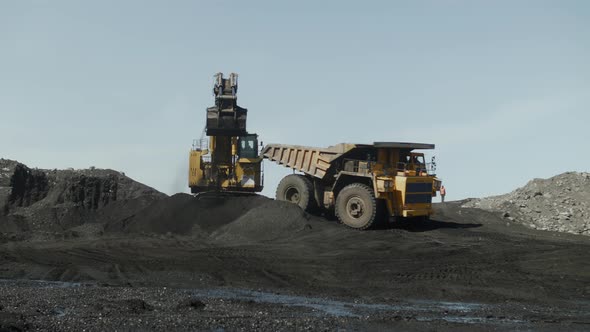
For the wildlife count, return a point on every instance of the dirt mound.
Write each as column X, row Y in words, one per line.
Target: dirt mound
column 186, row 215
column 270, row 221
column 560, row 203
column 227, row 219
column 37, row 203
column 49, row 204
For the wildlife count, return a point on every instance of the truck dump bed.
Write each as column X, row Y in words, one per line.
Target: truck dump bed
column 315, row 161
column 309, row 160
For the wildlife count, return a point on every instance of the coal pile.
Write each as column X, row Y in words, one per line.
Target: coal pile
column 38, row 203
column 267, row 222
column 184, row 214
column 230, row 219
column 560, row 203
column 67, row 204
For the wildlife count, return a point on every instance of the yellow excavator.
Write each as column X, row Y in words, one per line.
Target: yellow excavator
column 227, row 159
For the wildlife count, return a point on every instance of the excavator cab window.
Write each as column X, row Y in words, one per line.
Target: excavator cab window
column 248, row 146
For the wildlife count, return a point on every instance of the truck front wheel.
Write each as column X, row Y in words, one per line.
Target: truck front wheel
column 356, row 206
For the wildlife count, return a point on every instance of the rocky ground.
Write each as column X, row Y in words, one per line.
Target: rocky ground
column 144, row 261
column 560, row 203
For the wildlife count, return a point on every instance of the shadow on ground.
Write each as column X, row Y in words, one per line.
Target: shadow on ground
column 426, row 225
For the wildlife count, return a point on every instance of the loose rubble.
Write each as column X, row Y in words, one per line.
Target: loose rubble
column 560, row 203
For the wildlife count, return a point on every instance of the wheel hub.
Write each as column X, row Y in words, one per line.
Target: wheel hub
column 355, row 207
column 292, row 195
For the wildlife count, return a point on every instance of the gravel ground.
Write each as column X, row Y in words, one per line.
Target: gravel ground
column 57, row 306
column 46, row 306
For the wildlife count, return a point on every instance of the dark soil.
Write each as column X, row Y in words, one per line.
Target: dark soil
column 186, row 215
column 144, row 261
column 272, row 221
column 466, row 269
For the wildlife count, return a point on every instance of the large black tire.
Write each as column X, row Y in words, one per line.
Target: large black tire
column 297, row 189
column 356, row 206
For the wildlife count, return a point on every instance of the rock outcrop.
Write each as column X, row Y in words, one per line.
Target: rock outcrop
column 37, row 201
column 560, row 203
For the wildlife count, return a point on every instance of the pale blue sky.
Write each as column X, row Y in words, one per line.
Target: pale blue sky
column 501, row 87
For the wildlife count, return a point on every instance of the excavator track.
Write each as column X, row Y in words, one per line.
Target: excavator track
column 221, row 194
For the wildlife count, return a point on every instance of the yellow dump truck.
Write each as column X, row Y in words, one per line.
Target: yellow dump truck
column 361, row 183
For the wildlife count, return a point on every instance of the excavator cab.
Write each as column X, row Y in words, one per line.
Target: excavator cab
column 248, row 146
column 226, row 118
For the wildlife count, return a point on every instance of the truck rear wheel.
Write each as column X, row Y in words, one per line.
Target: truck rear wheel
column 356, row 206
column 297, row 189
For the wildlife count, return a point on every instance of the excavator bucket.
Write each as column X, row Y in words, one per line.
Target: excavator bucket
column 226, row 118
column 226, row 122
